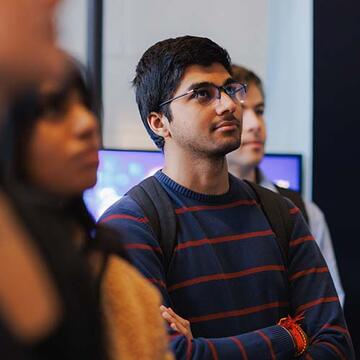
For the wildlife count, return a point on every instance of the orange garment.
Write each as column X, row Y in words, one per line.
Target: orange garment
column 130, row 304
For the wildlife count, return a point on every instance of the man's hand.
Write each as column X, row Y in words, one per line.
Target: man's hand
column 176, row 322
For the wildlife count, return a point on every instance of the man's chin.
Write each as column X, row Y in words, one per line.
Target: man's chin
column 255, row 159
column 227, row 148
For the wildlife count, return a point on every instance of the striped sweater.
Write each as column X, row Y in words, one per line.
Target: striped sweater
column 229, row 279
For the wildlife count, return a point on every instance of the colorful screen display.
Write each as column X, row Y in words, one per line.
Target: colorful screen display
column 119, row 170
column 284, row 170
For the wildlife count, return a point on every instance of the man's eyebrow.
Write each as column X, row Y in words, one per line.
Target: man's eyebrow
column 256, row 106
column 193, row 86
column 229, row 80
column 199, row 85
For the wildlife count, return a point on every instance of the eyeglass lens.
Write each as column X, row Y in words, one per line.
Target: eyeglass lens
column 209, row 93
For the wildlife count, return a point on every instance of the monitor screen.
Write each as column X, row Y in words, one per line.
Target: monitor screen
column 285, row 170
column 120, row 170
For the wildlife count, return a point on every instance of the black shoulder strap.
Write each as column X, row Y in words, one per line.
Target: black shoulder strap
column 296, row 198
column 277, row 212
column 157, row 207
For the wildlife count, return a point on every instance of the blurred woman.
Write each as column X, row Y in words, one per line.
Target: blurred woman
column 87, row 301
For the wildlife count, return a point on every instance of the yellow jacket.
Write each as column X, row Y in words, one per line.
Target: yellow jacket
column 136, row 330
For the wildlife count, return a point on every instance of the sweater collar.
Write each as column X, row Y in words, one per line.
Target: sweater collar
column 174, row 186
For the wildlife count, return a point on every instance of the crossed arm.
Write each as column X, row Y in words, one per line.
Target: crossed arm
column 324, row 322
column 176, row 322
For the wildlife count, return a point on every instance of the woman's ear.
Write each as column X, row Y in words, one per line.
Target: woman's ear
column 159, row 124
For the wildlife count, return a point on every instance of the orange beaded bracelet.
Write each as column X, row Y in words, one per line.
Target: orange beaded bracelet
column 297, row 333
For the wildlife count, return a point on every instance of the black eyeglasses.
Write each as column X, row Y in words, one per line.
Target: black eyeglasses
column 208, row 93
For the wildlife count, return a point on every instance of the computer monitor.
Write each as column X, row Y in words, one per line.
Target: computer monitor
column 119, row 170
column 285, row 170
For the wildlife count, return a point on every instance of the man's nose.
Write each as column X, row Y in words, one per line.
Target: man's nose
column 226, row 103
column 250, row 120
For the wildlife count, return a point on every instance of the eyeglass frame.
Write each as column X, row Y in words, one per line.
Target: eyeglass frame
column 199, row 86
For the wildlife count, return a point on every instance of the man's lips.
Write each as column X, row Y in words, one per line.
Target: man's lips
column 255, row 144
column 227, row 125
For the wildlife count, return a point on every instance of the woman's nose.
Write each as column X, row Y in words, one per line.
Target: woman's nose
column 86, row 125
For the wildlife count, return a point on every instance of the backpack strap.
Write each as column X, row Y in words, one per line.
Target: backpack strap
column 277, row 213
column 157, row 207
column 296, row 198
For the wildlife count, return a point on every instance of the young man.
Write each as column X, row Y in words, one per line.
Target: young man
column 227, row 275
column 244, row 163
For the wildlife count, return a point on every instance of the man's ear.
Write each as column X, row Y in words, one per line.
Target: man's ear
column 159, row 124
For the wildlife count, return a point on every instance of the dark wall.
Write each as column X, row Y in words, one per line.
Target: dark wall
column 337, row 139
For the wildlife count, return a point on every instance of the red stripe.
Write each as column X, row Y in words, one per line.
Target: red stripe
column 189, row 349
column 309, row 271
column 331, row 327
column 337, row 328
column 157, row 282
column 217, row 240
column 268, row 342
column 294, row 210
column 213, row 350
column 333, row 347
column 308, row 357
column 301, row 240
column 143, row 247
column 240, row 312
column 241, row 347
column 316, row 302
column 183, row 210
column 215, row 277
column 125, row 216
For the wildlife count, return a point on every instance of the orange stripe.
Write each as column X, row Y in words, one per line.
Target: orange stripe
column 217, row 240
column 309, row 271
column 125, row 216
column 241, row 312
column 333, row 347
column 301, row 240
column 213, row 350
column 316, row 302
column 268, row 342
column 241, row 347
column 207, row 278
column 183, row 210
column 143, row 247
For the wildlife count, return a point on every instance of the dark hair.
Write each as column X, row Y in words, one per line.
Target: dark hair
column 30, row 105
column 50, row 221
column 161, row 68
column 21, row 117
column 244, row 75
column 19, row 124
